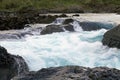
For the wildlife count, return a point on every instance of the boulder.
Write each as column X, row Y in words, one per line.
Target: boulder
column 68, row 21
column 112, row 38
column 52, row 28
column 57, row 28
column 89, row 26
column 73, row 73
column 68, row 27
column 11, row 65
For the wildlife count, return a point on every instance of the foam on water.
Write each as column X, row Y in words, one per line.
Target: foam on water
column 76, row 26
column 60, row 49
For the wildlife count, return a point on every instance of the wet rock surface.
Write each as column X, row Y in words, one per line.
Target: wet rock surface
column 11, row 65
column 73, row 73
column 56, row 28
column 89, row 26
column 68, row 21
column 70, row 25
column 112, row 37
column 59, row 25
column 52, row 28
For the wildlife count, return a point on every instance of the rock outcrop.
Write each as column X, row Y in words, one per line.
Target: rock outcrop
column 73, row 73
column 112, row 37
column 56, row 28
column 52, row 28
column 11, row 65
column 70, row 25
column 19, row 19
column 89, row 26
column 68, row 21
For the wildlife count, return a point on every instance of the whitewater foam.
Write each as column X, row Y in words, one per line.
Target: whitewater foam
column 65, row 48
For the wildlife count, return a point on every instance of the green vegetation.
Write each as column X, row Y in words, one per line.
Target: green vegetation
column 14, row 5
column 39, row 4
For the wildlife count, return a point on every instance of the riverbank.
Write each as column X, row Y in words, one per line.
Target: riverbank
column 62, row 6
column 18, row 21
column 54, row 48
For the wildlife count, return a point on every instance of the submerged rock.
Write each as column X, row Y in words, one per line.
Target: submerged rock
column 112, row 37
column 73, row 73
column 11, row 65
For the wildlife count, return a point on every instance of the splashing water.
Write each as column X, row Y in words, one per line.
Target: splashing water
column 76, row 26
column 60, row 49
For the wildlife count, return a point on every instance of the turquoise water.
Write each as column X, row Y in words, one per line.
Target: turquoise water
column 59, row 49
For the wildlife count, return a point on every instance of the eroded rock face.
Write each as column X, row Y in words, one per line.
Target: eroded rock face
column 11, row 65
column 73, row 73
column 112, row 37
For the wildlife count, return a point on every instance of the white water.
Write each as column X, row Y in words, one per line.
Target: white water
column 59, row 49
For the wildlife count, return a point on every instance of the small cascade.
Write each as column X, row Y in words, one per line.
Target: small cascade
column 10, row 36
column 58, row 21
column 76, row 26
column 32, row 31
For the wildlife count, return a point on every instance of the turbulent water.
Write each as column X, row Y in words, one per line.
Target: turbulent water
column 82, row 48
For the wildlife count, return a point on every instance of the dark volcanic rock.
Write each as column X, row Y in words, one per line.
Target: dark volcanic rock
column 67, row 21
column 68, row 27
column 52, row 28
column 73, row 73
column 7, row 23
column 19, row 19
column 89, row 26
column 112, row 37
column 56, row 28
column 11, row 65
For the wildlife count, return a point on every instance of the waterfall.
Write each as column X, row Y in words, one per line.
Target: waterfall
column 59, row 21
column 76, row 26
